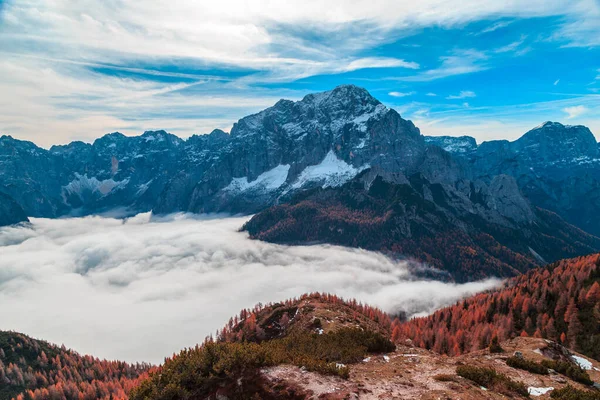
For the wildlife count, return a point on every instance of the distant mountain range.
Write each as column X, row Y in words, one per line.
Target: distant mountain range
column 556, row 166
column 341, row 142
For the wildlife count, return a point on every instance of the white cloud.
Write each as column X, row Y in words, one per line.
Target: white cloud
column 271, row 42
column 575, row 111
column 431, row 94
column 401, row 94
column 141, row 289
column 379, row 62
column 462, row 95
column 459, row 63
column 511, row 47
column 494, row 27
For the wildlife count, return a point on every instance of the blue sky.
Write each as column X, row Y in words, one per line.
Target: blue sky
column 487, row 68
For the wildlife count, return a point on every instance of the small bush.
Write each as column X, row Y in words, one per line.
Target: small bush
column 194, row 373
column 490, row 379
column 527, row 365
column 495, row 346
column 445, row 378
column 569, row 370
column 570, row 393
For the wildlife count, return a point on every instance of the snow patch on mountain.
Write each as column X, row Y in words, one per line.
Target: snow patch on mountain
column 268, row 181
column 361, row 120
column 539, row 391
column 451, row 144
column 582, row 362
column 143, row 187
column 331, row 171
column 82, row 183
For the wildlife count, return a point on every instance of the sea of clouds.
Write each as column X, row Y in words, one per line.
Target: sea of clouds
column 143, row 288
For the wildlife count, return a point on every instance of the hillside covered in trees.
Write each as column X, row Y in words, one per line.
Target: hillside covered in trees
column 560, row 302
column 462, row 234
column 322, row 345
column 33, row 369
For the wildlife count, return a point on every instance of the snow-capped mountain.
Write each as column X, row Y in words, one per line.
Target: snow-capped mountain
column 323, row 140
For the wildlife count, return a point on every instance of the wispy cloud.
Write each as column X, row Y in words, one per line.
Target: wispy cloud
column 401, row 94
column 220, row 49
column 556, row 82
column 575, row 111
column 379, row 62
column 512, row 47
column 462, row 95
column 494, row 27
column 459, row 63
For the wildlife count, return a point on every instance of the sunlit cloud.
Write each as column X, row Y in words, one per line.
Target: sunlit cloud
column 75, row 66
column 575, row 111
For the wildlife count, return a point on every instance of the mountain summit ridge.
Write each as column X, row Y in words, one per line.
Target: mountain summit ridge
column 324, row 139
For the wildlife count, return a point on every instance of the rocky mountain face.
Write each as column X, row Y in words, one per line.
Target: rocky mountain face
column 10, row 211
column 323, row 140
column 471, row 231
column 556, row 166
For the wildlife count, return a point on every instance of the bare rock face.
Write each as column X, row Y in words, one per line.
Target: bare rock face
column 322, row 141
column 556, row 166
column 453, row 144
column 10, row 212
column 507, row 199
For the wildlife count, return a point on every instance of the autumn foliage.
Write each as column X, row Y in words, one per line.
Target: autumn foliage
column 269, row 335
column 560, row 302
column 36, row 370
column 398, row 219
column 269, row 321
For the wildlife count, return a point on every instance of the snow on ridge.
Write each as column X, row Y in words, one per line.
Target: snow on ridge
column 268, row 180
column 331, row 171
column 81, row 183
column 362, row 119
column 539, row 391
column 582, row 362
column 143, row 187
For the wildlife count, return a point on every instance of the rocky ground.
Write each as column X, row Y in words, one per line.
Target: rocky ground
column 413, row 373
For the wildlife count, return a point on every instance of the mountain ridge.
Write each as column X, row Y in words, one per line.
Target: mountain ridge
column 324, row 139
column 473, row 233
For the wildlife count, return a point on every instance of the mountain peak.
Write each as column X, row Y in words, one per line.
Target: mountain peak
column 329, row 110
column 342, row 96
column 553, row 140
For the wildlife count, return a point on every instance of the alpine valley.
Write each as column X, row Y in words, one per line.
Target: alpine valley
column 337, row 167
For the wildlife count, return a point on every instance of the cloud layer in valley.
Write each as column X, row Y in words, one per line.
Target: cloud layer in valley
column 141, row 289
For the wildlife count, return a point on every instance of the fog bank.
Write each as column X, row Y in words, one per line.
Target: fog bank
column 142, row 288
